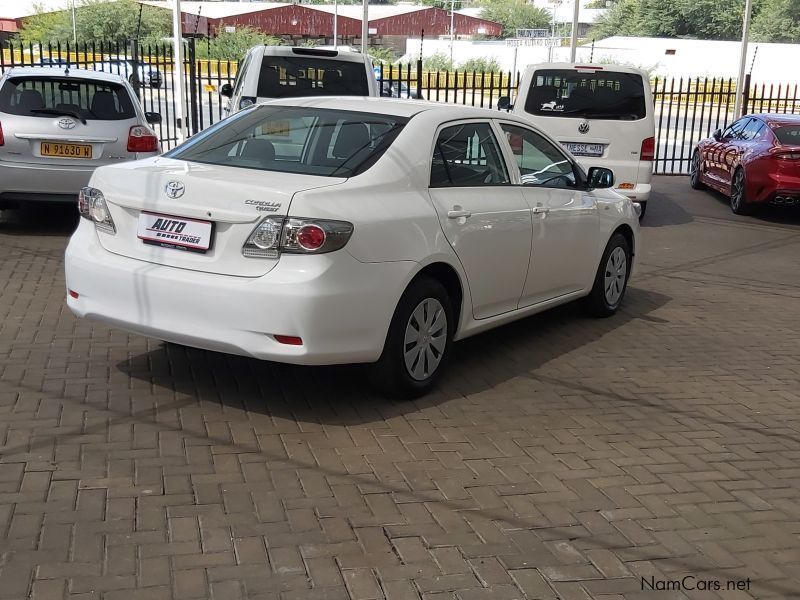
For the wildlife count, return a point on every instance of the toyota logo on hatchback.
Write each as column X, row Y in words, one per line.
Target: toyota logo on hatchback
column 66, row 123
column 174, row 189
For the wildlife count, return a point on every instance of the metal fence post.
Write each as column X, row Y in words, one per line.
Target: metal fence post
column 746, row 94
column 192, row 75
column 135, row 75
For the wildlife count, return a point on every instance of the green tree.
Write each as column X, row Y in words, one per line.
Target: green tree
column 98, row 20
column 481, row 65
column 777, row 21
column 438, row 61
column 515, row 14
column 232, row 45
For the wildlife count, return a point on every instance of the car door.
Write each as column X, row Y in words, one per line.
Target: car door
column 564, row 216
column 483, row 216
column 721, row 152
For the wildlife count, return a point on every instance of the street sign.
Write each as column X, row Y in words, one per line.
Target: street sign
column 549, row 42
column 533, row 33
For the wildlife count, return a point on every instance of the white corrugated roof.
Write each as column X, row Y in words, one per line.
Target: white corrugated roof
column 16, row 9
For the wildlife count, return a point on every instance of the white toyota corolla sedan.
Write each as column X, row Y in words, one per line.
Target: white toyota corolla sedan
column 345, row 230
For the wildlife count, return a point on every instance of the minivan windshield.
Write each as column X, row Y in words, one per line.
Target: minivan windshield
column 74, row 97
column 597, row 94
column 293, row 76
column 310, row 141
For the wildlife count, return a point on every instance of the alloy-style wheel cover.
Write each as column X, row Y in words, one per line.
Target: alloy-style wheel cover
column 737, row 191
column 694, row 172
column 425, row 339
column 616, row 273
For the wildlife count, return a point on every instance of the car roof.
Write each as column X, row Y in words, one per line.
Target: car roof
column 396, row 107
column 600, row 68
column 62, row 72
column 778, row 118
column 311, row 52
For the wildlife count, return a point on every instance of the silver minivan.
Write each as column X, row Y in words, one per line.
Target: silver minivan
column 57, row 125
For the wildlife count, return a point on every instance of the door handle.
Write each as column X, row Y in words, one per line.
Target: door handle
column 540, row 210
column 457, row 212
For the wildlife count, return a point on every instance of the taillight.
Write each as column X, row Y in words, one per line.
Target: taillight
column 648, row 151
column 2, row 139
column 294, row 235
column 93, row 207
column 778, row 155
column 142, row 139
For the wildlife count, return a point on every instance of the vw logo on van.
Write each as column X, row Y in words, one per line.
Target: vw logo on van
column 66, row 123
column 583, row 127
column 174, row 189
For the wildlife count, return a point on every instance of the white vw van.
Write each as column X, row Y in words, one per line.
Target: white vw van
column 602, row 114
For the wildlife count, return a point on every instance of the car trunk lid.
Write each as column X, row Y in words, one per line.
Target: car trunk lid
column 148, row 200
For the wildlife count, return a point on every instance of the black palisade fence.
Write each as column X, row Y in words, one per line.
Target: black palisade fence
column 686, row 110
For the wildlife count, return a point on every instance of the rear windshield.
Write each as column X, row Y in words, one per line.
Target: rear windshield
column 79, row 98
column 788, row 134
column 292, row 76
column 596, row 95
column 311, row 141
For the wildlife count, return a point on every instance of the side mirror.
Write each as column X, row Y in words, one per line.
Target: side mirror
column 600, row 177
column 153, row 118
column 504, row 103
column 717, row 135
column 226, row 90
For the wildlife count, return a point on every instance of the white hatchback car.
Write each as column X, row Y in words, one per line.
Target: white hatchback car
column 344, row 230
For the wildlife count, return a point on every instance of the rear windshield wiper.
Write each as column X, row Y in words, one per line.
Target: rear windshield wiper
column 59, row 113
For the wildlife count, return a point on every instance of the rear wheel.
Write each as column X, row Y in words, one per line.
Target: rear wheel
column 643, row 205
column 739, row 204
column 418, row 343
column 694, row 172
column 611, row 279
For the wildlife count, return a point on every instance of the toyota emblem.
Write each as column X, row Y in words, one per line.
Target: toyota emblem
column 174, row 189
column 583, row 127
column 66, row 123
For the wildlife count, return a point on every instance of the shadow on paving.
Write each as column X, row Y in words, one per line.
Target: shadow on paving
column 40, row 219
column 341, row 395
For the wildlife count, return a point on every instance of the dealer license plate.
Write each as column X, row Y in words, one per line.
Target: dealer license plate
column 66, row 150
column 180, row 233
column 585, row 149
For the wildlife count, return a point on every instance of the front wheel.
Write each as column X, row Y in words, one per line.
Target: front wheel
column 418, row 343
column 739, row 203
column 611, row 279
column 694, row 172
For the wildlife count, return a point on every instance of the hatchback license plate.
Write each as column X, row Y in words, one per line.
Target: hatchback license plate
column 585, row 149
column 66, row 150
column 180, row 233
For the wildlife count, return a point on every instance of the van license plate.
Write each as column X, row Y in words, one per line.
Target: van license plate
column 180, row 233
column 66, row 150
column 585, row 149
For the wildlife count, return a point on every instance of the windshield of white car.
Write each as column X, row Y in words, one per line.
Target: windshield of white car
column 82, row 99
column 293, row 76
column 592, row 95
column 309, row 141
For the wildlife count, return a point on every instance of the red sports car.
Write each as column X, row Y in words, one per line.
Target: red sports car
column 755, row 161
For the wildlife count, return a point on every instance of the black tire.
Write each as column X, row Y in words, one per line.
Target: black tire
column 391, row 374
column 598, row 303
column 694, row 172
column 644, row 209
column 739, row 203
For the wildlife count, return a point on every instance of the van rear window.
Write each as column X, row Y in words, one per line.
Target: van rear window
column 597, row 95
column 294, row 76
column 74, row 97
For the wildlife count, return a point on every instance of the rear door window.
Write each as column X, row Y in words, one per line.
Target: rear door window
column 467, row 155
column 591, row 95
column 49, row 97
column 294, row 76
column 787, row 134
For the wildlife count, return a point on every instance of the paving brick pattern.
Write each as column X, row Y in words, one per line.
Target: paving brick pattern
column 562, row 457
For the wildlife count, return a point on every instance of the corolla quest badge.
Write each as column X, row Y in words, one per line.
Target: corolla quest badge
column 583, row 127
column 66, row 123
column 174, row 189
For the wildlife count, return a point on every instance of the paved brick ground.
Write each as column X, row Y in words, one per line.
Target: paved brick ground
column 562, row 458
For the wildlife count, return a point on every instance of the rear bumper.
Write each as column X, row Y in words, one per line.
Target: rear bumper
column 639, row 193
column 341, row 308
column 27, row 181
